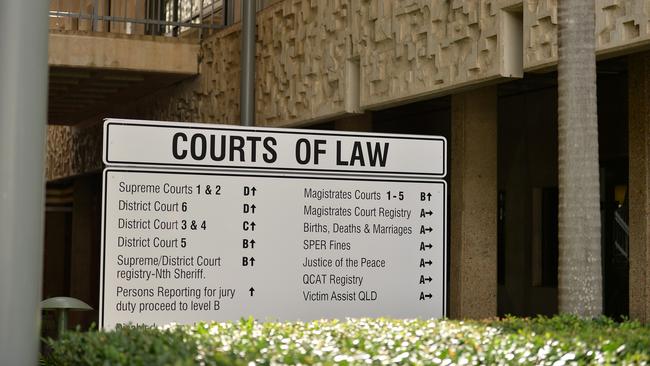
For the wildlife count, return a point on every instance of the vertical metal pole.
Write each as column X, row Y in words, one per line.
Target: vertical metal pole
column 175, row 29
column 226, row 12
column 93, row 26
column 161, row 11
column 23, row 116
column 230, row 12
column 139, row 14
column 160, row 27
column 62, row 320
column 155, row 17
column 200, row 19
column 247, row 79
column 59, row 21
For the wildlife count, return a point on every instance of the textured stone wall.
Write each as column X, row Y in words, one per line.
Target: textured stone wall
column 414, row 48
column 301, row 52
column 621, row 26
column 320, row 59
column 302, row 48
column 622, row 23
column 540, row 33
column 72, row 151
column 212, row 96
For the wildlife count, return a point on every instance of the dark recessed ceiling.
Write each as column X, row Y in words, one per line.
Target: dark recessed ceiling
column 78, row 94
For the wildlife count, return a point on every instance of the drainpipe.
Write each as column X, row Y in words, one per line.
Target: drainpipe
column 247, row 61
column 23, row 117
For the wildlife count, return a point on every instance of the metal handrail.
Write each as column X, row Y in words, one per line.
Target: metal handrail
column 621, row 236
column 621, row 222
column 135, row 20
column 165, row 17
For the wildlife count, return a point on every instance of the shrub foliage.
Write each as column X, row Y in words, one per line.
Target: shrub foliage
column 562, row 340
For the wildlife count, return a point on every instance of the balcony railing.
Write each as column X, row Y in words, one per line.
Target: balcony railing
column 172, row 18
column 621, row 237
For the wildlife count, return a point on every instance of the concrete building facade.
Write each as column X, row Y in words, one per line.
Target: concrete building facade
column 480, row 72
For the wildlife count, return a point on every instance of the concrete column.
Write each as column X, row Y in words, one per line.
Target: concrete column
column 473, row 253
column 639, row 190
column 359, row 123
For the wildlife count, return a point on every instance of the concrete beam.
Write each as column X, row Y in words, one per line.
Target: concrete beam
column 123, row 52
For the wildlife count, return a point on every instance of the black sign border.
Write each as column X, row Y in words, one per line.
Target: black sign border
column 108, row 123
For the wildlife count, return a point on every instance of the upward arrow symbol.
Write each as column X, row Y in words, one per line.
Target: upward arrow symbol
column 252, row 291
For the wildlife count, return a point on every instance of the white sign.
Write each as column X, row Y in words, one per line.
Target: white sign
column 220, row 243
column 131, row 143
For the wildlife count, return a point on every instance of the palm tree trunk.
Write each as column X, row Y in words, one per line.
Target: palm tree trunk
column 580, row 272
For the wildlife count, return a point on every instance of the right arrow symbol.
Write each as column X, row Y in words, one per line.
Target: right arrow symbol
column 424, row 280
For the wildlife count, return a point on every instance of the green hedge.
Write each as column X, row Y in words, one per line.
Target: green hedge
column 562, row 340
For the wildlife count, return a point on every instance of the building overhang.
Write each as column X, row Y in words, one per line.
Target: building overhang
column 92, row 72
